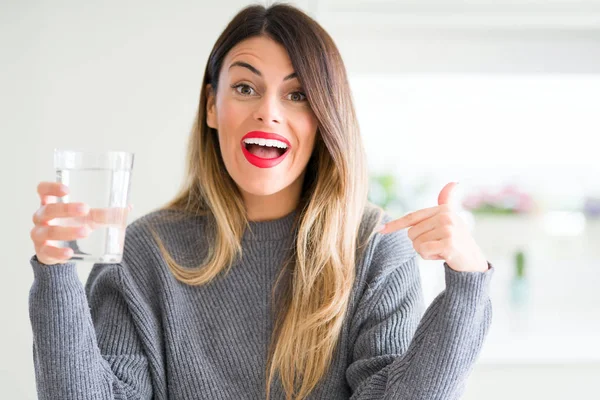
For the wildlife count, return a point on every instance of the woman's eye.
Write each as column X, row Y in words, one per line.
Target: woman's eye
column 297, row 96
column 243, row 89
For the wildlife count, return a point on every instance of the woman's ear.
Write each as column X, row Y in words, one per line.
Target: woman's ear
column 211, row 108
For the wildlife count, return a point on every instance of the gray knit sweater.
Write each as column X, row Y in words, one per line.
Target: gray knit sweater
column 135, row 332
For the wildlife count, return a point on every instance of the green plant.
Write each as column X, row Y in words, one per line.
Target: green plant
column 391, row 193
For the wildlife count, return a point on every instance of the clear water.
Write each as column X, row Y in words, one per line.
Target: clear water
column 102, row 190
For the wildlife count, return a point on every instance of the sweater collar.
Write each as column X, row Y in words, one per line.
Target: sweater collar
column 274, row 229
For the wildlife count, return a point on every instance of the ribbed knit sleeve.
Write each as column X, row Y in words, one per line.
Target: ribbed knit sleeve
column 400, row 353
column 86, row 346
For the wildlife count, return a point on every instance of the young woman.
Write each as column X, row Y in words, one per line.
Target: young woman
column 267, row 275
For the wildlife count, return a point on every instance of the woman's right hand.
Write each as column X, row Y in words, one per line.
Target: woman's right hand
column 42, row 232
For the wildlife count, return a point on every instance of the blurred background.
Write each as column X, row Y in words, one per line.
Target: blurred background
column 500, row 95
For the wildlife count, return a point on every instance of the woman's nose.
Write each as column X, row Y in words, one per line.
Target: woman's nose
column 269, row 110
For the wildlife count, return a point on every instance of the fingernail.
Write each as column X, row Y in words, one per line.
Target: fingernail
column 380, row 228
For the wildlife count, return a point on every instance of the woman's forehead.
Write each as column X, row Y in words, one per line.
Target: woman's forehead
column 263, row 53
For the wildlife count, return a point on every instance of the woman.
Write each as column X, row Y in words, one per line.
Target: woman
column 266, row 276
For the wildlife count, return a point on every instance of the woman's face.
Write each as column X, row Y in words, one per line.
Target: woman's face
column 257, row 93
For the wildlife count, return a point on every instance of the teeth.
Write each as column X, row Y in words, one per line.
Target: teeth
column 266, row 142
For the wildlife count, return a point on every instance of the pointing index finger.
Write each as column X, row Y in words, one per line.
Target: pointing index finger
column 411, row 219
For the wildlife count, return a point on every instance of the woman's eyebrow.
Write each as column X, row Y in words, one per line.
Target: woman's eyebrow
column 257, row 72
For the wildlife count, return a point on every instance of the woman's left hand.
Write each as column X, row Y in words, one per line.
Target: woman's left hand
column 438, row 233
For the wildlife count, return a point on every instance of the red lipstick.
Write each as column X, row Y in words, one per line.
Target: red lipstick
column 259, row 161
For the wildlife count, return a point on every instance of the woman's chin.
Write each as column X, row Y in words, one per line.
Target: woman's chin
column 260, row 187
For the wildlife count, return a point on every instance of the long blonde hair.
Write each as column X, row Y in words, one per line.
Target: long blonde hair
column 318, row 276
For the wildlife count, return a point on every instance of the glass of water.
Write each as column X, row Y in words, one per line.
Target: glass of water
column 102, row 180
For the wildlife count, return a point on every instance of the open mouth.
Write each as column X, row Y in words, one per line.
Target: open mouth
column 266, row 152
column 265, row 149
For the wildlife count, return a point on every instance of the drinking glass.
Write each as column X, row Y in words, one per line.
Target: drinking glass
column 102, row 180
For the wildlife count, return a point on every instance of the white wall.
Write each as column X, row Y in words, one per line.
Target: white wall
column 518, row 382
column 126, row 75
